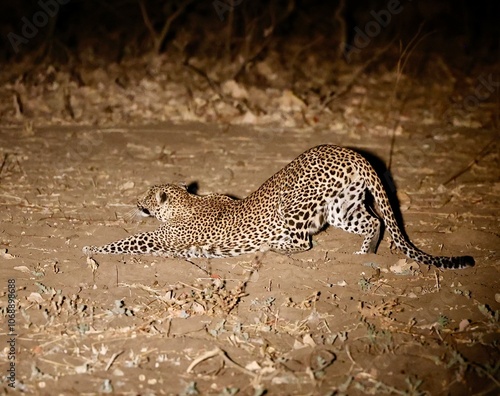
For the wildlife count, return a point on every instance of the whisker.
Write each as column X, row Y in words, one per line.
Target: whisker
column 132, row 214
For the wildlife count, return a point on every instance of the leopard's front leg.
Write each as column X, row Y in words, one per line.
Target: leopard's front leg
column 143, row 243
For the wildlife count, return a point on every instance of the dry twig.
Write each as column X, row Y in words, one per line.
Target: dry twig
column 227, row 360
column 160, row 37
column 477, row 158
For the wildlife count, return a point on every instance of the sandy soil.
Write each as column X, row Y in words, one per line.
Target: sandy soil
column 321, row 322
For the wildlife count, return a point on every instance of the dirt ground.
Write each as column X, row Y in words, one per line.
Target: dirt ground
column 322, row 322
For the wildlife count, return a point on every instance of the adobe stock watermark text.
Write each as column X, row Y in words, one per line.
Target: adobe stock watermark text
column 11, row 332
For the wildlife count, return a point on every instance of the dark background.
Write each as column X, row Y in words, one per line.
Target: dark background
column 135, row 60
column 465, row 32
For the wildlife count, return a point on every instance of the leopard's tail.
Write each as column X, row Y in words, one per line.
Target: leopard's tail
column 382, row 201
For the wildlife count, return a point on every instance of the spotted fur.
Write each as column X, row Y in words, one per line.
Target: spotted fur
column 325, row 185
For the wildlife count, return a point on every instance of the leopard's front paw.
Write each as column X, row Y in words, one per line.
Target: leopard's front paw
column 89, row 250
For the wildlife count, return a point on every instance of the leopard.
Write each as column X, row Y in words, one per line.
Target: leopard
column 326, row 185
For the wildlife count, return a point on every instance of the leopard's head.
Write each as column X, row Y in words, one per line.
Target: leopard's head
column 160, row 201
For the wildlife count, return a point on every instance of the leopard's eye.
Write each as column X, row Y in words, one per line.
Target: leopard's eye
column 145, row 211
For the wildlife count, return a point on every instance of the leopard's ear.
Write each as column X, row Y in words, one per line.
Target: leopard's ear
column 183, row 185
column 161, row 197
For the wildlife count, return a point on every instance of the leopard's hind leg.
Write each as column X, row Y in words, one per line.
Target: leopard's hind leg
column 347, row 211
